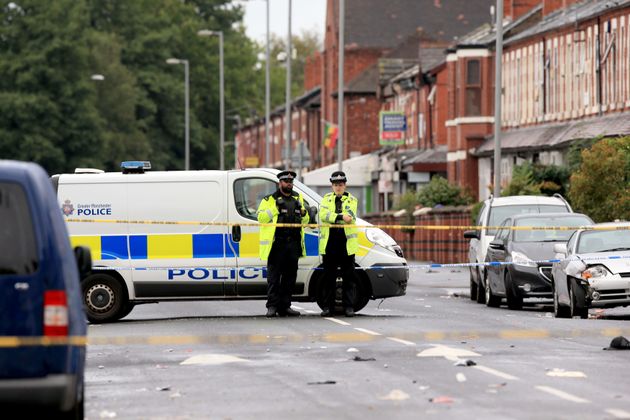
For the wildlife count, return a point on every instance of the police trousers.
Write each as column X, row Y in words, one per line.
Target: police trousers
column 282, row 268
column 336, row 264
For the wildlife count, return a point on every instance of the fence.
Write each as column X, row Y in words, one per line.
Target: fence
column 444, row 246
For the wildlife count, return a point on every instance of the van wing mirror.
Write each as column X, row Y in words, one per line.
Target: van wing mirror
column 236, row 233
column 312, row 214
column 497, row 244
column 84, row 260
column 471, row 234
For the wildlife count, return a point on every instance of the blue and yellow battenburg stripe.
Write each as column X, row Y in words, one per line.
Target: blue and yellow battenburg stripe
column 173, row 246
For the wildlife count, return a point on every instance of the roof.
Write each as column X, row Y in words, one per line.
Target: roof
column 513, row 200
column 435, row 155
column 397, row 19
column 570, row 15
column 364, row 82
column 557, row 135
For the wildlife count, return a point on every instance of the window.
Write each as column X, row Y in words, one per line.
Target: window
column 473, row 88
column 16, row 228
column 249, row 192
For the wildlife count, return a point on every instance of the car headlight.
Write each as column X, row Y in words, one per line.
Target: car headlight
column 594, row 272
column 519, row 258
column 382, row 239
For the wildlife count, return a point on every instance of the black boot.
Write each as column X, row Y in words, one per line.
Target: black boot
column 349, row 312
column 291, row 312
column 271, row 312
column 326, row 312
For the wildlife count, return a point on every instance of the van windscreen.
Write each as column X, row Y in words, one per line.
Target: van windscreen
column 19, row 250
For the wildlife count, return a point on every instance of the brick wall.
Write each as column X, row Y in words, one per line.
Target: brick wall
column 442, row 246
column 361, row 129
column 313, row 71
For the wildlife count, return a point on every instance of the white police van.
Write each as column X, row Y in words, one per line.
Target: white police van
column 192, row 235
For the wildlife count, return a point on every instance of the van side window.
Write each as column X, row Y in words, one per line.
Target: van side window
column 248, row 192
column 19, row 250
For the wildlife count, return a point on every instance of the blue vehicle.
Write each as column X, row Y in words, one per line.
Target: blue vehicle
column 43, row 328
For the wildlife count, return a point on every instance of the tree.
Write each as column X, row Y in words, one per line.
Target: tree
column 440, row 192
column 522, row 182
column 601, row 185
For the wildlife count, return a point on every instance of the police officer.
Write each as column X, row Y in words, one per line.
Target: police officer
column 338, row 246
column 282, row 246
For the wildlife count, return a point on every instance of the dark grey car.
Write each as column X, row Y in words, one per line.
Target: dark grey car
column 520, row 255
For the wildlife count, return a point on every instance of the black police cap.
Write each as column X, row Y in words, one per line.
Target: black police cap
column 338, row 176
column 287, row 176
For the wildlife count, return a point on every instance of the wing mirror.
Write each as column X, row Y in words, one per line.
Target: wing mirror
column 312, row 214
column 497, row 244
column 560, row 249
column 471, row 234
column 84, row 260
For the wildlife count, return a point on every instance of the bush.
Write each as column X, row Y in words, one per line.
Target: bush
column 601, row 185
column 440, row 191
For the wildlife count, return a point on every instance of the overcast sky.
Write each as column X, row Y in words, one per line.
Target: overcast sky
column 306, row 15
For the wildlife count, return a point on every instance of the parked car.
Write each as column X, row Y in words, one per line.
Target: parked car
column 593, row 271
column 492, row 213
column 40, row 298
column 525, row 253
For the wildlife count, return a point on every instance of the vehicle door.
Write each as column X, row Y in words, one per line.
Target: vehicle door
column 475, row 254
column 187, row 254
column 498, row 255
column 21, row 282
column 246, row 192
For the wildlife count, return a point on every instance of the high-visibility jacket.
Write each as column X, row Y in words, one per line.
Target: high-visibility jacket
column 268, row 213
column 328, row 215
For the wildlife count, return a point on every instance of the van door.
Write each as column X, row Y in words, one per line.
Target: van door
column 21, row 284
column 247, row 191
column 181, row 258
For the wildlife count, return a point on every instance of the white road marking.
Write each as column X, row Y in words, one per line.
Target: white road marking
column 566, row 373
column 212, row 359
column 338, row 321
column 619, row 414
column 562, row 394
column 448, row 352
column 460, row 377
column 401, row 341
column 496, row 372
column 367, row 331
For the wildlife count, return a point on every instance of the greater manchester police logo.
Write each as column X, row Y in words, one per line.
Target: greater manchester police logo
column 67, row 208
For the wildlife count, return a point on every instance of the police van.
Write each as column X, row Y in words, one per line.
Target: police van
column 193, row 235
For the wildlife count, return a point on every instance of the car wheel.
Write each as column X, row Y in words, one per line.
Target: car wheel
column 104, row 298
column 559, row 310
column 578, row 301
column 492, row 300
column 481, row 292
column 473, row 284
column 514, row 302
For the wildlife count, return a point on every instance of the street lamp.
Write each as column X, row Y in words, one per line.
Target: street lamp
column 207, row 32
column 97, row 77
column 186, row 106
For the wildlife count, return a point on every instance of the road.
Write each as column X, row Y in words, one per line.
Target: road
column 432, row 353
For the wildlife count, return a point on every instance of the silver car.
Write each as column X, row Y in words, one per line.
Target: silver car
column 593, row 271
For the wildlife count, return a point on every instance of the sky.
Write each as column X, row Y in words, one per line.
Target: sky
column 306, row 15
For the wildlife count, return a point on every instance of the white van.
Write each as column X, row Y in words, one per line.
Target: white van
column 178, row 257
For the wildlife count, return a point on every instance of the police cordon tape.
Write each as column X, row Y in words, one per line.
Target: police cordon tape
column 343, row 337
column 319, row 225
column 375, row 267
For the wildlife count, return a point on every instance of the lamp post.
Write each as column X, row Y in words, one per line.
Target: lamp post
column 207, row 32
column 340, row 83
column 186, row 107
column 267, row 95
column 498, row 56
column 288, row 115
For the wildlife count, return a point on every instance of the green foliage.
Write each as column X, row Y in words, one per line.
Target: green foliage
column 522, row 182
column 440, row 192
column 601, row 185
column 52, row 111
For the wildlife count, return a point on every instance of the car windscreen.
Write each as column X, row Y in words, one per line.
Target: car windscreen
column 548, row 235
column 19, row 253
column 499, row 213
column 603, row 241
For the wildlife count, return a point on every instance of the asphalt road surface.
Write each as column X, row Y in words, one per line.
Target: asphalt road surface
column 433, row 353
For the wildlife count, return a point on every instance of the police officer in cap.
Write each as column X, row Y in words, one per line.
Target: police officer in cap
column 282, row 246
column 339, row 245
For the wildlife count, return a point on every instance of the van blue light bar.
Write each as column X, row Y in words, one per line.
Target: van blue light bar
column 135, row 166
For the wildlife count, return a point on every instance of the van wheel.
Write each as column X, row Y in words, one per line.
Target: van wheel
column 125, row 310
column 361, row 295
column 104, row 298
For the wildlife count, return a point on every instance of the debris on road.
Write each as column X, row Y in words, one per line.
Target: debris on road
column 441, row 400
column 163, row 388
column 395, row 395
column 467, row 362
column 361, row 359
column 352, row 350
column 107, row 414
column 322, row 383
column 460, row 377
column 619, row 343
